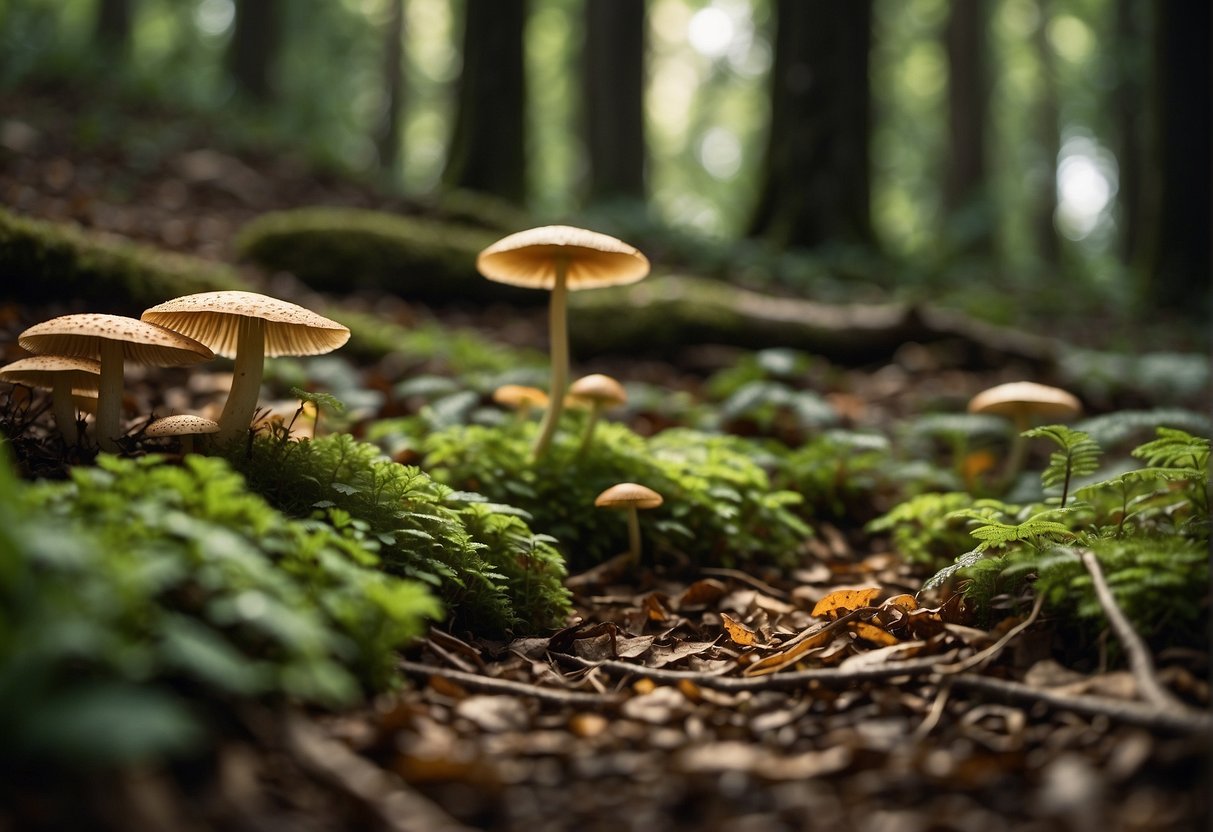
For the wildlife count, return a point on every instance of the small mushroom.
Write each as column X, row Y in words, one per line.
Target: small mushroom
column 185, row 427
column 520, row 398
column 599, row 392
column 1024, row 402
column 630, row 496
column 114, row 340
column 248, row 327
column 65, row 377
column 562, row 259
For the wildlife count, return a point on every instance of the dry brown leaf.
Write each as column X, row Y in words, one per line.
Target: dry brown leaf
column 906, row 602
column 872, row 633
column 738, row 632
column 701, row 593
column 842, row 601
column 778, row 661
column 655, row 608
column 875, row 658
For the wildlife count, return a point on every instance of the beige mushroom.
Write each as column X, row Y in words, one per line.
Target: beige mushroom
column 184, row 426
column 113, row 340
column 561, row 259
column 599, row 392
column 520, row 397
column 630, row 497
column 65, row 377
column 248, row 327
column 1024, row 402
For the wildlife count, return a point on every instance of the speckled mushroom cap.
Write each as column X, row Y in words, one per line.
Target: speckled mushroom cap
column 80, row 336
column 600, row 388
column 183, row 425
column 529, row 259
column 519, row 395
column 42, row 370
column 1026, row 397
column 214, row 319
column 628, row 495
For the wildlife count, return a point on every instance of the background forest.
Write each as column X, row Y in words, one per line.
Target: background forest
column 1042, row 151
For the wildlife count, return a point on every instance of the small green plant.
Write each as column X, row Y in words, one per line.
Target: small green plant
column 842, row 476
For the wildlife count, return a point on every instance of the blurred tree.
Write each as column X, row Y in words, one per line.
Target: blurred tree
column 1128, row 105
column 1178, row 258
column 387, row 132
column 966, row 184
column 1048, row 128
column 488, row 146
column 613, row 76
column 256, row 34
column 816, row 176
column 112, row 31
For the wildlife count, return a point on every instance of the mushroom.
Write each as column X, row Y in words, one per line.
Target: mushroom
column 562, row 259
column 630, row 496
column 1024, row 402
column 520, row 397
column 114, row 340
column 184, row 426
column 600, row 392
column 65, row 377
column 248, row 327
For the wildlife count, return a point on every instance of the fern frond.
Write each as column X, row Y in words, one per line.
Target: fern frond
column 1078, row 456
column 963, row 562
column 1175, row 449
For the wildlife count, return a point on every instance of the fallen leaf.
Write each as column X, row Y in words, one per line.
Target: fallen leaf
column 778, row 661
column 875, row 658
column 906, row 602
column 842, row 601
column 738, row 632
column 701, row 593
column 872, row 633
column 494, row 713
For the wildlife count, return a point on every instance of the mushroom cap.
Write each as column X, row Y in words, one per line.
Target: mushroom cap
column 214, row 319
column 183, row 425
column 142, row 342
column 598, row 388
column 42, row 370
column 628, row 495
column 520, row 395
column 1020, row 398
column 529, row 258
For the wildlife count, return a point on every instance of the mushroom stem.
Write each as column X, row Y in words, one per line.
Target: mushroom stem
column 65, row 410
column 109, row 396
column 591, row 423
column 187, row 444
column 559, row 338
column 1017, row 454
column 246, row 380
column 633, row 534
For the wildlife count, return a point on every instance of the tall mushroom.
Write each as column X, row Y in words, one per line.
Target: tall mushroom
column 1024, row 402
column 65, row 377
column 248, row 327
column 630, row 496
column 600, row 392
column 561, row 259
column 114, row 340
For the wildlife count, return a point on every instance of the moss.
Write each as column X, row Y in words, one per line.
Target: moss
column 343, row 249
column 47, row 261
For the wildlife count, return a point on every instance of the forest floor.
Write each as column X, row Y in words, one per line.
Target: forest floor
column 677, row 698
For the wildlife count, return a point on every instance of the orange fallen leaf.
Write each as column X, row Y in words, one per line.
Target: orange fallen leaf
column 738, row 632
column 842, row 601
column 705, row 591
column 778, row 661
column 907, row 602
column 872, row 633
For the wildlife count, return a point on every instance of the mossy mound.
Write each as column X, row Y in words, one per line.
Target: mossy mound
column 46, row 261
column 344, row 249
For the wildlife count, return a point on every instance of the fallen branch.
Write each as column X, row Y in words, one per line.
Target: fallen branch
column 991, row 652
column 489, row 684
column 1140, row 663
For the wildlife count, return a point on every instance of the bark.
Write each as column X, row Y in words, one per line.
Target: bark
column 614, row 99
column 966, row 181
column 1128, row 106
column 112, row 30
column 387, row 136
column 256, row 32
column 488, row 145
column 815, row 181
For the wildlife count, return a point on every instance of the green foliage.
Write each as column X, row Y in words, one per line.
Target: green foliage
column 138, row 592
column 842, row 476
column 46, row 261
column 719, row 504
column 1078, row 457
column 925, row 528
column 484, row 561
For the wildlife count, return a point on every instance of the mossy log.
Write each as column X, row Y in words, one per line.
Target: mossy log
column 48, row 261
column 346, row 249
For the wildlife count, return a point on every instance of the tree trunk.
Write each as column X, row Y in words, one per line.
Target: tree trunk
column 966, row 187
column 488, row 145
column 614, row 99
column 815, row 182
column 256, row 32
column 114, row 22
column 1128, row 107
column 1048, row 125
column 387, row 134
column 1179, row 273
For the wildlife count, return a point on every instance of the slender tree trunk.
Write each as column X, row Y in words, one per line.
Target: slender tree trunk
column 387, row 134
column 966, row 189
column 816, row 176
column 256, row 32
column 1129, row 106
column 488, row 146
column 1179, row 257
column 114, row 22
column 614, row 98
column 1048, row 125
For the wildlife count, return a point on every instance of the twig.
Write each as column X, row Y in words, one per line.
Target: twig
column 1181, row 721
column 397, row 806
column 510, row 687
column 745, row 578
column 1140, row 663
column 937, row 707
column 982, row 658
